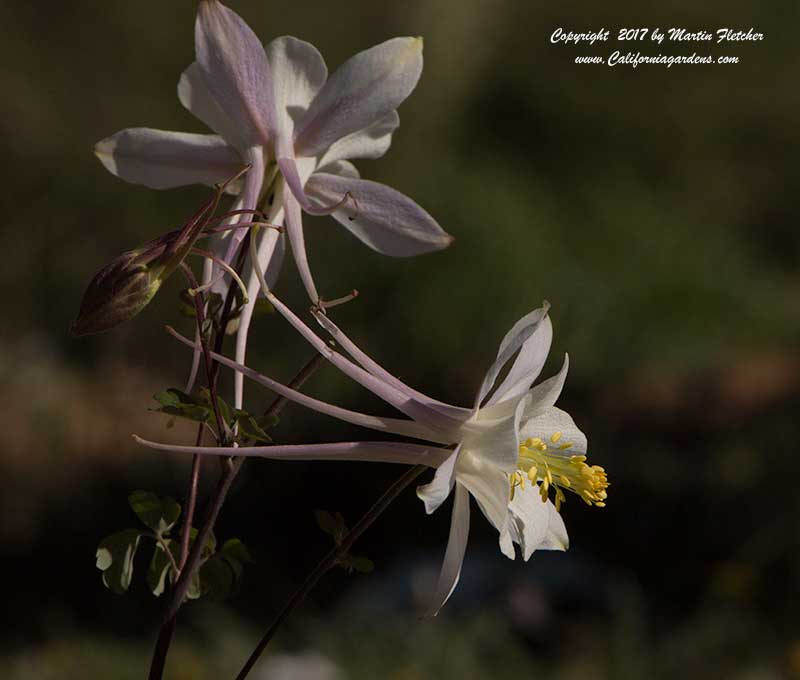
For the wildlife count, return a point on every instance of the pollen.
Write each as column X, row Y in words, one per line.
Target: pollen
column 552, row 465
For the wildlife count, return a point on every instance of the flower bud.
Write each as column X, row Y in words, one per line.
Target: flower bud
column 122, row 289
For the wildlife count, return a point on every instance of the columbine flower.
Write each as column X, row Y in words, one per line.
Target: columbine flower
column 277, row 107
column 510, row 451
column 278, row 103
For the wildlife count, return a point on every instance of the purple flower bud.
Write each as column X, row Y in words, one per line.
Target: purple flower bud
column 124, row 287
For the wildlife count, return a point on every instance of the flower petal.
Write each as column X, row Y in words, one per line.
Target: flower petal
column 488, row 484
column 529, row 361
column 552, row 420
column 435, row 492
column 371, row 142
column 454, row 555
column 534, row 524
column 298, row 74
column 342, row 169
column 363, row 90
column 512, row 342
column 235, row 71
column 384, row 219
column 160, row 159
column 544, row 395
column 376, row 452
column 496, row 441
column 196, row 98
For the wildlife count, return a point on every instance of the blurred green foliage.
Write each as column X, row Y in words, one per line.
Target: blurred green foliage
column 655, row 209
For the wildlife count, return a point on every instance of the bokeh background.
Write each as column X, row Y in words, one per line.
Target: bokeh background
column 655, row 208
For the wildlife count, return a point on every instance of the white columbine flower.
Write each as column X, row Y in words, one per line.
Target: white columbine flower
column 277, row 108
column 510, row 451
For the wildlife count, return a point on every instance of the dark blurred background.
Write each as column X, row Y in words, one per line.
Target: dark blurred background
column 655, row 208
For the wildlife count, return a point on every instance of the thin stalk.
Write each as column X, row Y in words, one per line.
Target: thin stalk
column 330, row 560
column 231, row 467
column 191, row 502
column 188, row 560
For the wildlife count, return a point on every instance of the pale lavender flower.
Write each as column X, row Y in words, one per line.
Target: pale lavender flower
column 276, row 108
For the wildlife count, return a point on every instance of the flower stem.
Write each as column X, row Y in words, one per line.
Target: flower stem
column 190, row 558
column 231, row 467
column 330, row 560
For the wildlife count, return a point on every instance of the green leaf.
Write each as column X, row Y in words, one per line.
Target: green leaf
column 233, row 548
column 249, row 427
column 224, row 410
column 217, row 578
column 115, row 559
column 161, row 567
column 331, row 524
column 211, row 543
column 351, row 563
column 177, row 403
column 160, row 514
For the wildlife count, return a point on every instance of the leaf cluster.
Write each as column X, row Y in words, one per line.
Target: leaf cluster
column 240, row 426
column 220, row 569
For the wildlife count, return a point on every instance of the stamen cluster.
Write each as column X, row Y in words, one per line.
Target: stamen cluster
column 550, row 464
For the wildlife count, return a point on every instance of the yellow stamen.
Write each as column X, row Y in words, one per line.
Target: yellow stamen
column 557, row 470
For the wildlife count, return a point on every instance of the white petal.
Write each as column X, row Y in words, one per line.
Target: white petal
column 435, row 492
column 161, row 160
column 496, row 441
column 556, row 537
column 544, row 395
column 552, row 420
column 363, row 90
column 512, row 342
column 235, row 71
column 341, row 168
column 488, row 484
column 194, row 95
column 298, row 74
column 529, row 361
column 375, row 452
column 534, row 524
column 371, row 142
column 384, row 219
column 454, row 555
